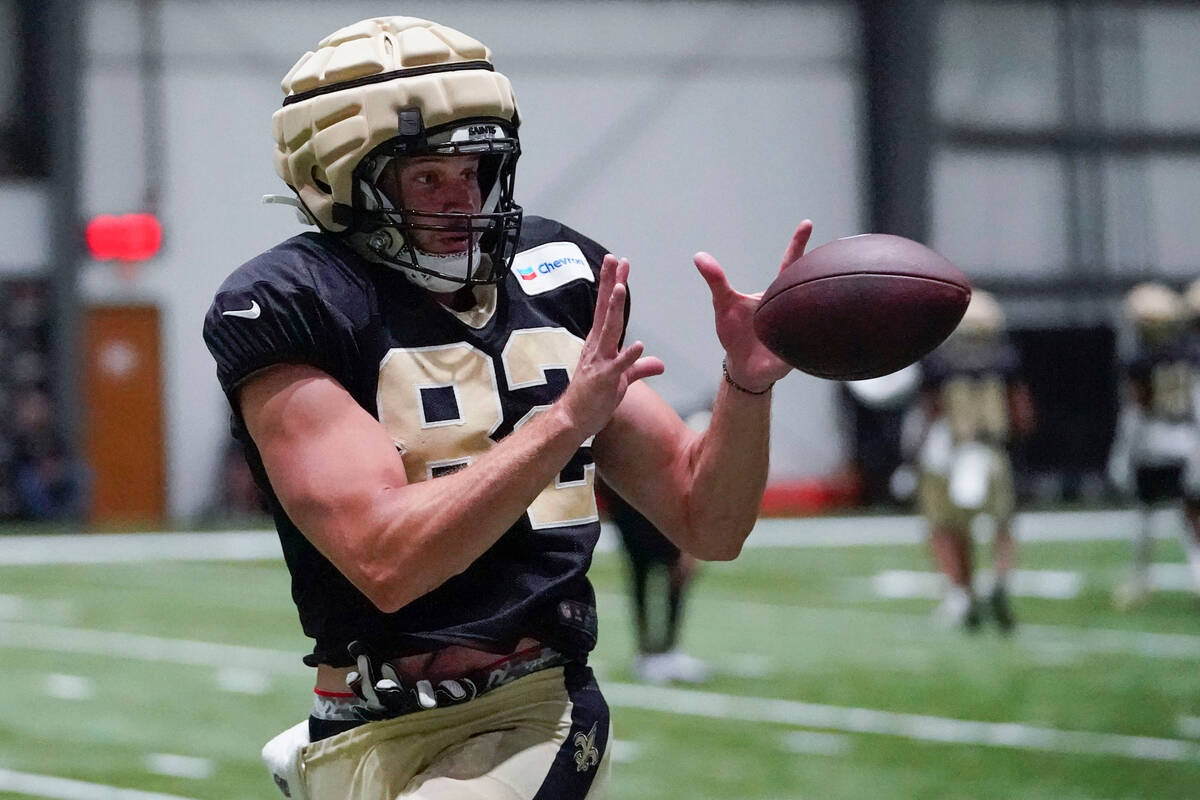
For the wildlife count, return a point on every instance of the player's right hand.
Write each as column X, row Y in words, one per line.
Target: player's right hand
column 605, row 369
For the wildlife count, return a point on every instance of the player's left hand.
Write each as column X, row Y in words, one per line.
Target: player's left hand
column 749, row 363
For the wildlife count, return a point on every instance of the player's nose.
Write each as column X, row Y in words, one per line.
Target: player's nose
column 461, row 195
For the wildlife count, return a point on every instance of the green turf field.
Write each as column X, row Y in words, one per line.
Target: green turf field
column 167, row 677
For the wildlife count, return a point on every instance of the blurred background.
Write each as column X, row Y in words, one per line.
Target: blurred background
column 1050, row 149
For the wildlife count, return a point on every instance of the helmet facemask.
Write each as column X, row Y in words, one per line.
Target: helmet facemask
column 424, row 243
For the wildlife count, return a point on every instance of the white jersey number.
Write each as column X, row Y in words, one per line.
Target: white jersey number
column 467, row 374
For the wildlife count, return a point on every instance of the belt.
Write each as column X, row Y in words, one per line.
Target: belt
column 385, row 695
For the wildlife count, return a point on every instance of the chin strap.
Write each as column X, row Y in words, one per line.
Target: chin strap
column 384, row 247
column 286, row 200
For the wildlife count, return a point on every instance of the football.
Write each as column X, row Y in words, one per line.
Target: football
column 861, row 307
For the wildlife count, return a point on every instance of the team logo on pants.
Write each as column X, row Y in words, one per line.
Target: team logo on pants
column 586, row 755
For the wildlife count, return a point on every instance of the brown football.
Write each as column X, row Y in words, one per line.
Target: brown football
column 861, row 307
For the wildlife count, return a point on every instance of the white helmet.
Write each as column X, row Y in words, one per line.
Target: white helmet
column 983, row 317
column 1153, row 304
column 389, row 88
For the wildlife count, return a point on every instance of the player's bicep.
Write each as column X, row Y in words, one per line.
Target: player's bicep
column 327, row 458
column 645, row 454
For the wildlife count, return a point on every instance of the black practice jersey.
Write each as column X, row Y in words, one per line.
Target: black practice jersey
column 1165, row 378
column 972, row 379
column 446, row 386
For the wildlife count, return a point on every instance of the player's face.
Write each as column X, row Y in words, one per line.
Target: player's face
column 441, row 184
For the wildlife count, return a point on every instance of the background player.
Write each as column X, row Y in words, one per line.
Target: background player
column 1156, row 453
column 427, row 422
column 1191, row 336
column 659, row 575
column 975, row 403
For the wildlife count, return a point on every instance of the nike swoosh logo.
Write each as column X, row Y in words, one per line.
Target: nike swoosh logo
column 253, row 312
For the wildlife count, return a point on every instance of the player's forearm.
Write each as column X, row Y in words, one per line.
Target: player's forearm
column 427, row 532
column 728, row 474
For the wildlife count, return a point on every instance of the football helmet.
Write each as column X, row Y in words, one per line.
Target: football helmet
column 390, row 88
column 983, row 318
column 1153, row 304
column 1155, row 311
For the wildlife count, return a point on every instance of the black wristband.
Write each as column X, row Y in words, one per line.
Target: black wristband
column 738, row 386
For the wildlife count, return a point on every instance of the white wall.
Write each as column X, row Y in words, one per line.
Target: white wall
column 24, row 229
column 658, row 129
column 1004, row 214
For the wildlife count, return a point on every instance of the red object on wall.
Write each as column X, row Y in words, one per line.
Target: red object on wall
column 129, row 237
column 803, row 498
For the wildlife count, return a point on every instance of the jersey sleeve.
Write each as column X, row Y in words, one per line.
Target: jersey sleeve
column 256, row 324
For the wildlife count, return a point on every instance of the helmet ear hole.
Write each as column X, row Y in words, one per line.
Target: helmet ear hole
column 318, row 179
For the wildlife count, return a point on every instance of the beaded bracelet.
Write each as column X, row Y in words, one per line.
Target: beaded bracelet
column 738, row 386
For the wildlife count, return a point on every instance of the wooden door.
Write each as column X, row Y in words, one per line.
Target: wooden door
column 124, row 418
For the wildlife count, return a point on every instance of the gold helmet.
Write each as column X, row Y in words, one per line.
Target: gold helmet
column 1153, row 304
column 983, row 317
column 394, row 87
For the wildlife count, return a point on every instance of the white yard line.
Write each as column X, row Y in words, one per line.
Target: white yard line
column 791, row 532
column 1038, row 526
column 1181, row 646
column 177, row 766
column 50, row 638
column 1047, row 584
column 1189, row 727
column 66, row 789
column 114, row 548
column 889, row 723
column 896, row 584
column 243, row 681
column 1171, row 578
column 668, row 700
column 67, row 687
column 12, row 605
column 625, row 752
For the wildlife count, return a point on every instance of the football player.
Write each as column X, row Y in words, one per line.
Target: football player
column 1156, row 453
column 975, row 403
column 659, row 576
column 424, row 388
column 1191, row 336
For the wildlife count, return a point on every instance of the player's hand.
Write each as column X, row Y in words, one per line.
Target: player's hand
column 749, row 363
column 605, row 369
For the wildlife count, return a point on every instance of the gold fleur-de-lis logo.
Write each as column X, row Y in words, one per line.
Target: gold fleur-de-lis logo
column 587, row 755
